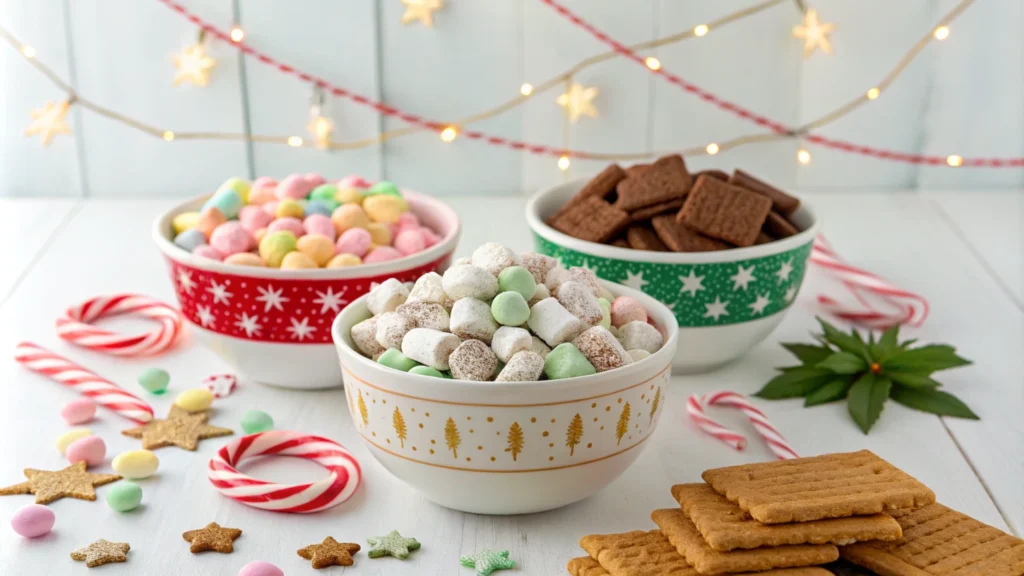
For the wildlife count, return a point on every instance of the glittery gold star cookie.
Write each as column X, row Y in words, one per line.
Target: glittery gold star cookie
column 330, row 552
column 213, row 537
column 181, row 428
column 73, row 482
column 102, row 552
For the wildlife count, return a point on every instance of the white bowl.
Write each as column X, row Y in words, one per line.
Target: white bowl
column 506, row 447
column 726, row 301
column 273, row 326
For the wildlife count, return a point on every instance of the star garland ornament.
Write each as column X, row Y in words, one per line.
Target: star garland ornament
column 814, row 33
column 421, row 10
column 193, row 64
column 49, row 121
column 578, row 100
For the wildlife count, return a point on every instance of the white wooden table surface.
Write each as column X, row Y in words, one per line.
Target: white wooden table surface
column 963, row 250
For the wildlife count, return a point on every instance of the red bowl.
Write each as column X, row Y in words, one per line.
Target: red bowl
column 274, row 326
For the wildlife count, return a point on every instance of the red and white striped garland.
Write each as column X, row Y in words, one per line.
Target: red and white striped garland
column 772, row 437
column 345, row 473
column 98, row 389
column 75, row 325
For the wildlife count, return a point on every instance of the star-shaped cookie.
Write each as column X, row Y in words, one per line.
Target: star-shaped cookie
column 487, row 561
column 181, row 428
column 213, row 537
column 72, row 481
column 330, row 552
column 102, row 552
column 392, row 545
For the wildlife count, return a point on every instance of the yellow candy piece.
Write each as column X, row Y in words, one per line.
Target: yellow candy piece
column 349, row 196
column 289, row 207
column 65, row 439
column 185, row 221
column 380, row 233
column 259, row 234
column 297, row 261
column 241, row 187
column 135, row 464
column 194, row 400
column 343, row 260
column 244, row 259
column 385, row 208
column 349, row 216
column 317, row 246
column 274, row 247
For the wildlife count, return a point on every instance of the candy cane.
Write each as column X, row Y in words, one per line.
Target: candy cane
column 776, row 443
column 338, row 486
column 909, row 308
column 75, row 325
column 99, row 390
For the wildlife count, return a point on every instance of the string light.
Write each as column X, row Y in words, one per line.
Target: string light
column 955, row 160
column 28, row 51
column 294, row 141
column 578, row 101
column 803, row 156
column 193, row 64
column 653, row 63
column 700, row 30
column 941, row 33
column 563, row 163
column 320, row 126
column 873, row 93
column 449, row 134
column 814, row 33
column 712, row 149
column 168, row 135
column 422, row 10
column 237, row 34
column 526, row 89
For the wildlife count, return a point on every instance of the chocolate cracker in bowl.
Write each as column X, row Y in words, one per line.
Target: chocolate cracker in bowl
column 724, row 211
column 666, row 180
column 601, row 186
column 591, row 219
column 642, row 237
column 781, row 202
column 679, row 238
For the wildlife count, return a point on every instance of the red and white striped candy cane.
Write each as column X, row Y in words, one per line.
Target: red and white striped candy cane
column 905, row 307
column 776, row 443
column 98, row 389
column 345, row 473
column 75, row 325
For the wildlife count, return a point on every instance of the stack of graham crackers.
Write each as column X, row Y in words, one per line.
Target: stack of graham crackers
column 789, row 517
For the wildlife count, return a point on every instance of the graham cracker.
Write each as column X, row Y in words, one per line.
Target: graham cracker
column 781, row 201
column 586, row 566
column 667, row 179
column 643, row 238
column 651, row 211
column 679, row 238
column 725, row 526
column 724, row 211
column 829, row 486
column 591, row 219
column 681, row 532
column 938, row 540
column 777, row 225
column 600, row 186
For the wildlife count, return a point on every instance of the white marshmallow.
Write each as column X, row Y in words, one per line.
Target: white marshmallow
column 428, row 288
column 537, row 345
column 580, row 301
column 641, row 335
column 364, row 336
column 392, row 327
column 526, row 366
column 425, row 315
column 387, row 296
column 462, row 261
column 494, row 258
column 554, row 279
column 471, row 318
column 586, row 277
column 553, row 323
column 539, row 293
column 430, row 347
column 508, row 340
column 473, row 360
column 537, row 264
column 601, row 348
column 469, row 282
column 637, row 354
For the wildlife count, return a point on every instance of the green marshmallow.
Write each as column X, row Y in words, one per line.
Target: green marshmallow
column 393, row 358
column 426, row 371
column 324, row 192
column 383, row 187
column 255, row 421
column 566, row 361
column 606, row 313
column 124, row 496
column 154, row 380
column 510, row 309
column 517, row 279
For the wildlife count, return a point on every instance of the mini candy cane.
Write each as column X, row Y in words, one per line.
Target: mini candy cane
column 99, row 390
column 344, row 478
column 776, row 443
column 910, row 308
column 75, row 325
column 221, row 385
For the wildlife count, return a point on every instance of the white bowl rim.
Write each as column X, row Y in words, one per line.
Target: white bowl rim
column 538, row 225
column 444, row 247
column 669, row 346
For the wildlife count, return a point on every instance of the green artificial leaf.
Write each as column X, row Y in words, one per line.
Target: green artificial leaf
column 843, row 363
column 889, row 340
column 925, row 360
column 845, row 342
column 808, row 354
column 933, row 401
column 795, row 383
column 913, row 380
column 866, row 398
column 834, row 390
column 906, row 344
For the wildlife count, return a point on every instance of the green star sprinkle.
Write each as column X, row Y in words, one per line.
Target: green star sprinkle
column 487, row 561
column 392, row 545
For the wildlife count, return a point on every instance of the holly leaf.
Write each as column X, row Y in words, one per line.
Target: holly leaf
column 808, row 354
column 925, row 360
column 913, row 380
column 932, row 401
column 843, row 363
column 887, row 344
column 834, row 390
column 866, row 398
column 795, row 383
column 845, row 342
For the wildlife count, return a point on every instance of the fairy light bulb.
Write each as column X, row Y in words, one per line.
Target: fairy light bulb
column 873, row 93
column 712, row 148
column 941, row 33
column 526, row 89
column 294, row 141
column 563, row 163
column 803, row 156
column 448, row 134
column 653, row 63
column 237, row 34
column 168, row 135
column 700, row 30
column 955, row 160
column 28, row 51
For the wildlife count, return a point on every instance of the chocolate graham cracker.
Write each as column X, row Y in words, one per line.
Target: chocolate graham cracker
column 591, row 219
column 938, row 540
column 679, row 238
column 643, row 238
column 600, row 186
column 830, row 486
column 724, row 526
column 777, row 225
column 681, row 532
column 667, row 179
column 653, row 210
column 721, row 210
column 782, row 202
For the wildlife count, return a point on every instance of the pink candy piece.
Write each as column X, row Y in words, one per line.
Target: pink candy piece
column 626, row 310
column 313, row 179
column 262, row 190
column 33, row 521
column 382, row 254
column 231, row 238
column 254, row 217
column 260, row 568
column 270, row 207
column 354, row 241
column 90, row 450
column 429, row 237
column 207, row 251
column 320, row 224
column 293, row 225
column 410, row 241
column 354, row 181
column 407, row 220
column 294, row 186
column 78, row 411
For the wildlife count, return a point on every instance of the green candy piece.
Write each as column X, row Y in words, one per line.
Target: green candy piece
column 566, row 361
column 124, row 496
column 154, row 380
column 510, row 309
column 393, row 358
column 517, row 279
column 606, row 313
column 255, row 421
column 446, row 374
column 383, row 187
column 391, row 545
column 426, row 371
column 487, row 561
column 324, row 192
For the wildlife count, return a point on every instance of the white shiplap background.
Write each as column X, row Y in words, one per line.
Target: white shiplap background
column 964, row 95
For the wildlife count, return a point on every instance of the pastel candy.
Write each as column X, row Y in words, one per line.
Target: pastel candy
column 231, row 238
column 33, row 520
column 602, row 349
column 429, row 237
column 237, row 185
column 510, row 309
column 354, row 241
column 387, row 296
column 407, row 220
column 124, row 496
column 553, row 323
column 392, row 328
column 154, row 380
column 289, row 208
column 393, row 358
column 348, row 196
column 244, row 259
column 194, row 400
column 427, row 371
column 580, row 301
column 289, row 224
column 209, row 219
column 321, row 207
column 344, row 260
column 517, row 279
column 566, row 361
column 626, row 310
column 473, row 360
column 297, row 261
column 494, row 258
column 380, row 233
column 410, row 241
column 384, row 187
column 67, row 438
column 207, row 251
column 430, row 347
column 606, row 312
column 227, row 200
column 468, row 281
column 353, row 181
column 255, row 421
column 88, row 449
column 260, row 568
column 184, row 221
column 78, row 411
column 385, row 207
column 270, row 207
column 318, row 247
column 320, row 224
column 136, row 464
column 349, row 216
column 525, row 366
column 275, row 246
column 641, row 335
column 382, row 254
column 471, row 318
column 508, row 341
column 262, row 190
column 324, row 192
column 294, row 186
column 190, row 239
column 253, row 218
column 313, row 179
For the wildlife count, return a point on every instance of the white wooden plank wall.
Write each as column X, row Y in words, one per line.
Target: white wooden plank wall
column 961, row 96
